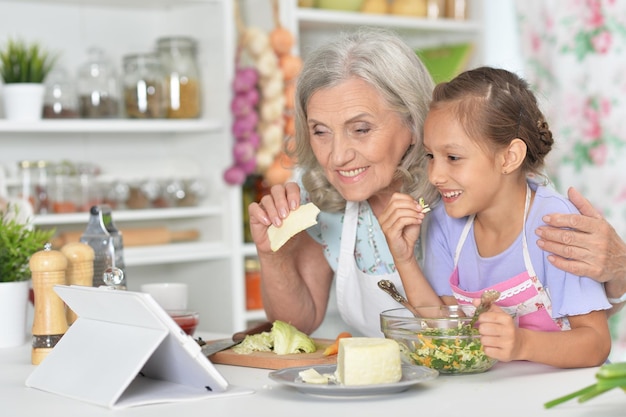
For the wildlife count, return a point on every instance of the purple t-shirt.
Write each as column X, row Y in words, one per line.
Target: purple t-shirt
column 570, row 294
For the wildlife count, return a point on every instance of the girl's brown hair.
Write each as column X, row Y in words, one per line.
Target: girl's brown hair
column 496, row 106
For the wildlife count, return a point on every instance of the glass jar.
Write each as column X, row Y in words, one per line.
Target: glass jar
column 144, row 87
column 457, row 9
column 34, row 185
column 254, row 300
column 65, row 188
column 98, row 88
column 89, row 192
column 179, row 62
column 60, row 100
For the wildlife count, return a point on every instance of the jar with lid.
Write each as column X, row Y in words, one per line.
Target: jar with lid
column 34, row 185
column 89, row 191
column 98, row 88
column 60, row 99
column 179, row 61
column 144, row 86
column 65, row 188
column 254, row 301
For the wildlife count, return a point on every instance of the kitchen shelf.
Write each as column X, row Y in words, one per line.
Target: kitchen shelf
column 130, row 4
column 112, row 126
column 133, row 215
column 255, row 315
column 248, row 249
column 175, row 253
column 310, row 19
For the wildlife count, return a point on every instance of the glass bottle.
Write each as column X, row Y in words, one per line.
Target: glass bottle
column 144, row 87
column 178, row 58
column 98, row 88
column 60, row 100
column 108, row 246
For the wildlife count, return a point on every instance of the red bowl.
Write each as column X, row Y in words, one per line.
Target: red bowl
column 187, row 320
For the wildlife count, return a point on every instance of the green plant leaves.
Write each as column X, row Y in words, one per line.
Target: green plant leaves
column 18, row 243
column 24, row 63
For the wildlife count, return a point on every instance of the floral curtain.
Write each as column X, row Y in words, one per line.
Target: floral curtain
column 575, row 58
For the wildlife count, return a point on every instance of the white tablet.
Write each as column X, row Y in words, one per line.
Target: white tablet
column 123, row 350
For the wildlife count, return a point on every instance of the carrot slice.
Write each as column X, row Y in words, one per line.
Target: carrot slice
column 334, row 348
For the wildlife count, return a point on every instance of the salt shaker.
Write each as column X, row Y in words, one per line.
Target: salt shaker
column 79, row 269
column 49, row 324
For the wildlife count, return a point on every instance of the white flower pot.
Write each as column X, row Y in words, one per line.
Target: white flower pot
column 23, row 101
column 13, row 313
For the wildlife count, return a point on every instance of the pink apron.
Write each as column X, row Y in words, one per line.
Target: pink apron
column 522, row 295
column 359, row 299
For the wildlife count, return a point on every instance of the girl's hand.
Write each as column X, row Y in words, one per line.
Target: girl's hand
column 499, row 336
column 272, row 209
column 401, row 222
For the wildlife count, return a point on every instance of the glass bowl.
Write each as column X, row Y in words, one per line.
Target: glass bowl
column 187, row 320
column 439, row 338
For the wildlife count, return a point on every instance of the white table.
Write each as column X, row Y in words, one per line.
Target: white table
column 508, row 389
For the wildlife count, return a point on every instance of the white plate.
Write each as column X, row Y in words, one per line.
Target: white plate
column 411, row 375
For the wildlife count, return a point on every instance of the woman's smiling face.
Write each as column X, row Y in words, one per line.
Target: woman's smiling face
column 357, row 139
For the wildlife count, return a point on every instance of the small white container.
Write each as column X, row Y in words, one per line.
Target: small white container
column 172, row 296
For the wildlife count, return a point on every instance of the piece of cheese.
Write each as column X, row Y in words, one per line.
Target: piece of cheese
column 302, row 218
column 368, row 361
column 311, row 376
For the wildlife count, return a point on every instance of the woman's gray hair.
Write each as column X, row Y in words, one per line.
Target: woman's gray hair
column 387, row 63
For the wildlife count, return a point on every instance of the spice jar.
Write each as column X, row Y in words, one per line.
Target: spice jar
column 144, row 86
column 34, row 185
column 98, row 88
column 60, row 99
column 64, row 189
column 254, row 300
column 178, row 59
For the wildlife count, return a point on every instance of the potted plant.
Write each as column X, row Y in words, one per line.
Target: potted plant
column 23, row 68
column 18, row 242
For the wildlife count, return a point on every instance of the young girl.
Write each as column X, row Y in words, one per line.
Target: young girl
column 486, row 140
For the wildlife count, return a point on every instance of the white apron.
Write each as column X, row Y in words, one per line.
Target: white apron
column 359, row 299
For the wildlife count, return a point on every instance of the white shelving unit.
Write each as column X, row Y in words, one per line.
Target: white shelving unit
column 212, row 266
column 124, row 148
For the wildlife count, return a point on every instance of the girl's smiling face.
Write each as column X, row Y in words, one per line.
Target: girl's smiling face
column 467, row 175
column 357, row 139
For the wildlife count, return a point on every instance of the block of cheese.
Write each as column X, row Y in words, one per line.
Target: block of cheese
column 302, row 218
column 368, row 361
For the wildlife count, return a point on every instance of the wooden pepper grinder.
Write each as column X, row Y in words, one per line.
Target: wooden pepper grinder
column 79, row 269
column 49, row 324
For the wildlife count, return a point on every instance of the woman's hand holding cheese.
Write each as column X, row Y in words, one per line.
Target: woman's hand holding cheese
column 273, row 209
column 297, row 269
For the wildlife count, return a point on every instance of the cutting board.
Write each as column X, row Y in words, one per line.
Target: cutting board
column 270, row 360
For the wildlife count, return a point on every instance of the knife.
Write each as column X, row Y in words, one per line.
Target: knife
column 210, row 348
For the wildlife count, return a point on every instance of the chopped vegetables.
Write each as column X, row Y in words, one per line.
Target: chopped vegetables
column 334, row 348
column 609, row 376
column 448, row 352
column 283, row 339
